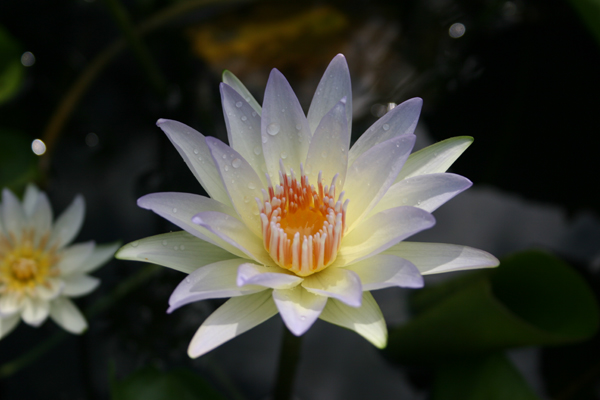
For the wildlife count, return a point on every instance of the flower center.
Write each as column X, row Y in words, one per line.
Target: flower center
column 24, row 269
column 302, row 225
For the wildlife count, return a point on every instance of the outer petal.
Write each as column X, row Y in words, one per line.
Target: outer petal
column 338, row 283
column 382, row 271
column 234, row 232
column 178, row 250
column 427, row 192
column 10, row 304
column 192, row 147
column 213, row 281
column 241, row 182
column 179, row 208
column 69, row 223
column 270, row 277
column 435, row 258
column 233, row 318
column 399, row 121
column 284, row 129
column 382, row 231
column 101, row 254
column 232, row 80
column 334, row 85
column 13, row 217
column 328, row 151
column 435, row 158
column 7, row 324
column 67, row 315
column 50, row 289
column 35, row 311
column 365, row 320
column 79, row 285
column 41, row 217
column 243, row 129
column 373, row 173
column 73, row 257
column 30, row 199
column 298, row 308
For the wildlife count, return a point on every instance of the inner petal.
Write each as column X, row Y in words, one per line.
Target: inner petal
column 302, row 225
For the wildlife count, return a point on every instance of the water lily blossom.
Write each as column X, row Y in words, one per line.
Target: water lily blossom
column 39, row 269
column 298, row 223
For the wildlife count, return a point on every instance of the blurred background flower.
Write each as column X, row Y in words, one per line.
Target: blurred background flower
column 89, row 79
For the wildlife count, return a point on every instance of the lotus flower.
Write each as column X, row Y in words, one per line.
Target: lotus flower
column 298, row 223
column 39, row 270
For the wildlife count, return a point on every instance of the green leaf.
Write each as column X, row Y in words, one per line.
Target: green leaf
column 151, row 384
column 11, row 69
column 533, row 298
column 483, row 378
column 18, row 164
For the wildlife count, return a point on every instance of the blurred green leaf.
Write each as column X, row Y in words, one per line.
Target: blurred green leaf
column 589, row 12
column 151, row 384
column 11, row 69
column 18, row 164
column 533, row 298
column 482, row 378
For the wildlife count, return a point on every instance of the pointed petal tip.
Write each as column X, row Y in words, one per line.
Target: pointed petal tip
column 161, row 121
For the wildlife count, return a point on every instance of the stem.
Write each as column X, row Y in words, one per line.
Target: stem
column 288, row 363
column 140, row 50
column 125, row 287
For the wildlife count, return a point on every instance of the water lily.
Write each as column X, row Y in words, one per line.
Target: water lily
column 39, row 270
column 298, row 223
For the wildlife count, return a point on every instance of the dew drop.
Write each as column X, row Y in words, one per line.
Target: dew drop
column 257, row 150
column 324, row 154
column 249, row 127
column 226, row 168
column 273, row 129
column 199, row 158
column 238, row 104
column 175, row 248
column 224, row 156
column 254, row 113
column 302, row 317
column 298, row 126
column 244, row 118
column 182, row 247
column 246, row 199
column 283, row 155
column 283, row 110
column 135, row 244
column 236, row 163
column 174, row 210
column 386, row 127
column 164, row 242
column 404, row 201
column 251, row 186
column 188, row 280
column 264, row 139
column 195, row 151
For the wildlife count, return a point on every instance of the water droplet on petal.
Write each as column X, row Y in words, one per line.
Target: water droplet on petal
column 175, row 248
column 182, row 247
column 302, row 317
column 236, row 163
column 273, row 129
column 257, row 150
column 298, row 126
column 174, row 210
column 238, row 104
column 246, row 199
column 386, row 127
column 254, row 113
column 164, row 242
column 283, row 155
column 264, row 139
column 226, row 168
column 243, row 118
column 135, row 244
column 251, row 186
column 195, row 151
column 188, row 280
column 324, row 154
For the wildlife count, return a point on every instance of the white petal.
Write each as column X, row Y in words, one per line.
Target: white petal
column 13, row 217
column 10, row 303
column 299, row 308
column 334, row 85
column 382, row 231
column 338, row 283
column 241, row 181
column 212, row 281
column 328, row 151
column 50, row 289
column 41, row 217
column 243, row 129
column 69, row 223
column 284, row 129
column 30, row 199
column 79, row 285
column 373, row 173
column 35, row 311
column 271, row 277
column 179, row 208
column 233, row 318
column 67, row 315
column 383, row 270
column 435, row 258
column 234, row 232
column 427, row 192
column 192, row 147
column 401, row 120
column 178, row 250
column 7, row 324
column 102, row 254
column 435, row 158
column 365, row 320
column 230, row 79
column 73, row 257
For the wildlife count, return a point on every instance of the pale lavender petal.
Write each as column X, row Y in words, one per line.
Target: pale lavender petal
column 298, row 308
column 383, row 270
column 233, row 318
column 230, row 79
column 262, row 275
column 338, row 283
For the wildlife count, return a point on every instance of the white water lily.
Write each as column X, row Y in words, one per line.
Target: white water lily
column 298, row 223
column 39, row 271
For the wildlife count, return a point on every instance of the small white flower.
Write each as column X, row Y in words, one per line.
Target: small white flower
column 298, row 223
column 38, row 270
